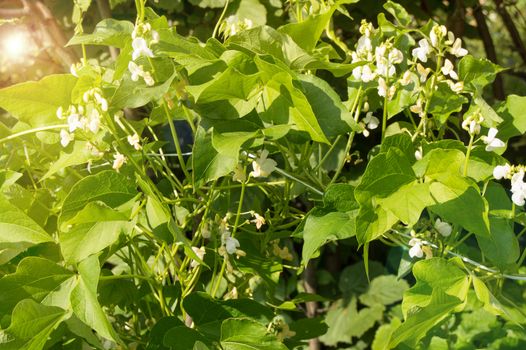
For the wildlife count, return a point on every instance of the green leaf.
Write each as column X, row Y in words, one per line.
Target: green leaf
column 408, row 202
column 512, row 111
column 84, row 299
column 266, row 40
column 245, row 334
column 333, row 117
column 340, row 197
column 36, row 102
column 491, row 304
column 109, row 32
column 308, row 328
column 183, row 337
column 158, row 331
column 108, row 187
column 457, row 193
column 132, row 94
column 307, row 33
column 35, row 278
column 320, row 229
column 345, row 321
column 384, row 333
column 208, row 313
column 17, row 231
column 31, row 325
column 436, row 274
column 444, row 101
column 207, row 163
column 371, row 223
column 76, row 154
column 84, row 240
column 476, row 73
column 230, row 84
column 384, row 290
column 283, row 103
column 501, row 246
column 422, row 320
column 96, row 211
column 399, row 13
column 385, row 174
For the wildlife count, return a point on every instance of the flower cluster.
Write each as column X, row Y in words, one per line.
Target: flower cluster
column 516, row 175
column 143, row 37
column 85, row 116
column 233, row 25
column 263, row 166
column 381, row 61
column 492, row 142
column 472, row 123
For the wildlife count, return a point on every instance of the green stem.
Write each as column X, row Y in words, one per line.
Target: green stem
column 234, row 230
column 176, row 141
column 356, row 110
column 218, row 24
column 32, row 131
column 468, row 153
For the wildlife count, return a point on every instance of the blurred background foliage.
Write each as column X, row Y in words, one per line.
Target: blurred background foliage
column 495, row 29
column 33, row 43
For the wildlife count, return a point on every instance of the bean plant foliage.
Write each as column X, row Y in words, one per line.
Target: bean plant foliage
column 177, row 198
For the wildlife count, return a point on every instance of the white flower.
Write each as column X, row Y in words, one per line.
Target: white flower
column 140, row 48
column 364, row 44
column 456, row 87
column 367, row 74
column 518, row 188
column 94, row 124
column 474, row 127
column 119, row 161
column 384, row 90
column 448, row 69
column 73, row 70
column 492, row 143
column 422, row 51
column 457, row 49
column 418, row 153
column 423, row 72
column 501, row 171
column 231, row 244
column 259, row 220
column 239, row 174
column 137, row 71
column 134, row 141
column 60, row 113
column 74, row 122
column 200, row 252
column 417, row 108
column 371, row 121
column 363, row 73
column 517, row 180
column 443, row 228
column 416, row 248
column 101, row 101
column 406, row 78
column 155, row 37
column 148, row 79
column 519, row 198
column 263, row 166
column 65, row 137
column 437, row 33
column 396, row 56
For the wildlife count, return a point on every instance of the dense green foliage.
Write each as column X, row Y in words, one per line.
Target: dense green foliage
column 263, row 186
